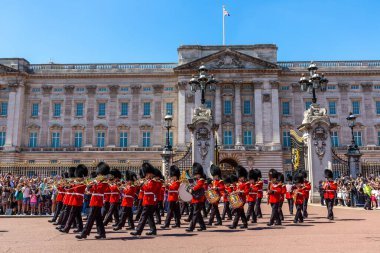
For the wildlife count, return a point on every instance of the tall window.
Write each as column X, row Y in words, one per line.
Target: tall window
column 356, row 107
column 285, row 108
column 286, row 138
column 146, row 139
column 378, row 107
column 56, row 140
column 247, row 107
column 100, row 140
column 123, row 139
column 332, row 107
column 124, row 109
column 35, row 109
column 33, row 139
column 247, row 138
column 227, row 107
column 209, row 104
column 307, row 105
column 170, row 137
column 79, row 110
column 169, row 108
column 334, row 139
column 57, row 110
column 227, row 138
column 378, row 138
column 147, row 109
column 78, row 139
column 358, row 138
column 2, row 138
column 3, row 109
column 102, row 109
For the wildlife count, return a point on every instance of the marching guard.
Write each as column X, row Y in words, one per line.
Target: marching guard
column 298, row 197
column 307, row 188
column 114, row 198
column 218, row 185
column 329, row 188
column 173, row 204
column 64, row 215
column 260, row 195
column 274, row 195
column 228, row 188
column 281, row 180
column 289, row 192
column 61, row 194
column 242, row 188
column 253, row 176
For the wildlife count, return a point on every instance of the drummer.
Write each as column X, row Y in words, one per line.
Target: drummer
column 173, row 204
column 217, row 185
column 242, row 190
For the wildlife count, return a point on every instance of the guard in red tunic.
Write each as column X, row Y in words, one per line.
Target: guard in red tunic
column 151, row 189
column 289, row 192
column 307, row 188
column 64, row 215
column 114, row 199
column 173, row 204
column 218, row 185
column 76, row 200
column 299, row 195
column 97, row 198
column 274, row 195
column 260, row 195
column 61, row 193
column 228, row 188
column 140, row 196
column 281, row 180
column 329, row 188
column 127, row 202
column 242, row 187
column 198, row 199
column 159, row 178
column 253, row 177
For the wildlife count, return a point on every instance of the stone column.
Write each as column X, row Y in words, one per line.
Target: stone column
column 237, row 115
column 157, row 116
column 45, row 115
column 112, row 112
column 90, row 115
column 275, row 116
column 66, row 135
column 369, row 113
column 218, row 113
column 135, row 115
column 180, row 113
column 345, row 106
column 15, row 116
column 258, row 113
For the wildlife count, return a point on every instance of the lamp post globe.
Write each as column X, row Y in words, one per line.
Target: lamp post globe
column 313, row 82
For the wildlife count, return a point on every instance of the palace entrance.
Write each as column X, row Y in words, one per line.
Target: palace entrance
column 228, row 166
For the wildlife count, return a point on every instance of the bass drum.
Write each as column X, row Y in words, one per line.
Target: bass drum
column 184, row 195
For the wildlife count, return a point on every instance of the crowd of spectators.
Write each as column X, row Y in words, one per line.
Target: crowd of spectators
column 359, row 192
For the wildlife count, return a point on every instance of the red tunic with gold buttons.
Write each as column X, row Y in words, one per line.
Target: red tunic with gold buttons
column 141, row 192
column 219, row 186
column 97, row 194
column 161, row 194
column 253, row 192
column 243, row 188
column 275, row 197
column 200, row 184
column 69, row 191
column 307, row 188
column 150, row 191
column 129, row 195
column 300, row 195
column 61, row 194
column 227, row 191
column 114, row 194
column 260, row 186
column 329, row 188
column 77, row 195
column 173, row 191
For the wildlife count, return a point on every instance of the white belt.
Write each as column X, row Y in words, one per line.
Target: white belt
column 98, row 194
column 252, row 193
column 260, row 190
column 112, row 193
column 128, row 196
column 61, row 192
column 148, row 193
column 172, row 191
column 78, row 194
column 329, row 190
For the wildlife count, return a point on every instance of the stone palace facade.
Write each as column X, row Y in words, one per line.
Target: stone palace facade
column 53, row 113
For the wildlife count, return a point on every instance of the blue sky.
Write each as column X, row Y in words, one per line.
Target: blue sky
column 97, row 31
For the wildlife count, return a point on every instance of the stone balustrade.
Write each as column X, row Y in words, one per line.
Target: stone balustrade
column 330, row 64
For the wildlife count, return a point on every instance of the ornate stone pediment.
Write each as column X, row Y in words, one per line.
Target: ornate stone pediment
column 228, row 59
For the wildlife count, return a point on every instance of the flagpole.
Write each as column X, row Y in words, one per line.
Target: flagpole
column 224, row 38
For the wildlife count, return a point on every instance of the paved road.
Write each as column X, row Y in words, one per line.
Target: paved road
column 353, row 230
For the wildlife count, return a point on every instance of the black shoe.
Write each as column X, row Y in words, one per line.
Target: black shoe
column 135, row 233
column 259, row 216
column 301, row 221
column 187, row 220
column 78, row 231
column 219, row 223
column 164, row 227
column 176, row 226
column 151, row 233
column 254, row 221
column 188, row 230
column 295, row 221
column 130, row 228
column 59, row 227
column 278, row 224
column 117, row 228
column 114, row 225
column 209, row 224
column 201, row 229
column 232, row 227
column 64, row 230
column 50, row 221
column 244, row 226
column 55, row 223
column 98, row 237
column 81, row 236
column 270, row 224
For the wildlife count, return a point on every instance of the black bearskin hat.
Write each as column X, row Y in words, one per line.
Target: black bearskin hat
column 274, row 174
column 258, row 173
column 209, row 181
column 197, row 169
column 174, row 171
column 227, row 180
column 72, row 172
column 304, row 174
column 298, row 178
column 141, row 173
column 65, row 175
column 328, row 173
column 253, row 175
column 281, row 177
column 270, row 173
column 289, row 178
column 127, row 175
column 81, row 171
column 132, row 176
column 116, row 173
column 147, row 168
column 215, row 170
column 157, row 173
column 234, row 178
column 241, row 171
column 93, row 174
column 103, row 169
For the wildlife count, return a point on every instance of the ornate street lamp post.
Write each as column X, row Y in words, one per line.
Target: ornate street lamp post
column 202, row 82
column 168, row 125
column 314, row 82
column 167, row 153
column 353, row 152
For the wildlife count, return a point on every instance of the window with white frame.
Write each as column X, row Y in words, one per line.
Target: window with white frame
column 332, row 107
column 247, row 138
column 247, row 107
column 307, row 105
column 334, row 139
column 124, row 109
column 378, row 107
column 147, row 109
column 169, row 108
column 356, row 107
column 227, row 107
column 55, row 140
column 123, row 139
column 57, row 110
column 3, row 108
column 100, row 139
column 102, row 109
column 208, row 104
column 78, row 137
column 285, row 108
column 79, row 109
column 146, row 139
column 358, row 138
column 35, row 109
column 286, row 138
column 227, row 137
column 33, row 139
column 2, row 138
